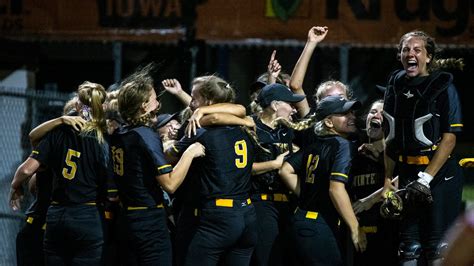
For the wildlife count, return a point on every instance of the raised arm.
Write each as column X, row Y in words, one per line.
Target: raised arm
column 174, row 87
column 273, row 69
column 315, row 35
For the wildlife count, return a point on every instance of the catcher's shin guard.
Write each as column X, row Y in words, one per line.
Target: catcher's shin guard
column 409, row 251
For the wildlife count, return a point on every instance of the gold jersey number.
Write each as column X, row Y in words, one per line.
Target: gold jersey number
column 240, row 149
column 69, row 172
column 311, row 166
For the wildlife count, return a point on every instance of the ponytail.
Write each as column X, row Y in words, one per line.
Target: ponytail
column 92, row 96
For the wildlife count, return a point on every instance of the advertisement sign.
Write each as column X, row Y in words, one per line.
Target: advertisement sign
column 367, row 22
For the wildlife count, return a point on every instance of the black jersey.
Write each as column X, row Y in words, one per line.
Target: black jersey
column 305, row 137
column 224, row 172
column 277, row 141
column 111, row 185
column 79, row 164
column 138, row 158
column 366, row 177
column 327, row 159
column 187, row 193
column 44, row 183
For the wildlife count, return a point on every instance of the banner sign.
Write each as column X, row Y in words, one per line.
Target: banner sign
column 127, row 20
column 140, row 14
column 350, row 21
column 365, row 22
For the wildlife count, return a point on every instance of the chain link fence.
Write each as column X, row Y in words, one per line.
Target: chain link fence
column 20, row 111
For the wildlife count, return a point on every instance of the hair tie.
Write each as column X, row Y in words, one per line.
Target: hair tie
column 86, row 112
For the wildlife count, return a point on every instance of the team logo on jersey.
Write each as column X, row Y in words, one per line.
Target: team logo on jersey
column 408, row 94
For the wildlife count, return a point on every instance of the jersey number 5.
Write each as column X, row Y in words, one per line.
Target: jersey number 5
column 70, row 173
column 240, row 149
column 311, row 166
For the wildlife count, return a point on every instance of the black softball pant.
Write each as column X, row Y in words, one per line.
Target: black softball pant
column 29, row 242
column 186, row 225
column 273, row 223
column 315, row 241
column 148, row 237
column 74, row 235
column 225, row 235
column 426, row 225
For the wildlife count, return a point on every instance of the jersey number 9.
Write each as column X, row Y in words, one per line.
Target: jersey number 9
column 240, row 149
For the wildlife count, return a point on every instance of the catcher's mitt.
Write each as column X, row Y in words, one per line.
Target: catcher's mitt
column 392, row 206
column 418, row 193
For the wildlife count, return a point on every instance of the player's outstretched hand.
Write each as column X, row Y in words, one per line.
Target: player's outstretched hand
column 172, row 86
column 363, row 204
column 281, row 158
column 317, row 34
column 250, row 123
column 197, row 149
column 76, row 122
column 193, row 123
column 370, row 151
column 273, row 69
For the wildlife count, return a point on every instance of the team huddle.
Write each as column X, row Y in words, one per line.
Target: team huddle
column 116, row 183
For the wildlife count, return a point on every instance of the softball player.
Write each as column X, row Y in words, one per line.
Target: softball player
column 318, row 174
column 367, row 175
column 423, row 112
column 226, row 228
column 29, row 241
column 74, row 232
column 269, row 195
column 140, row 169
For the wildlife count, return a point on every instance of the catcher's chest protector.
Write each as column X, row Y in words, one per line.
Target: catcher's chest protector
column 411, row 113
